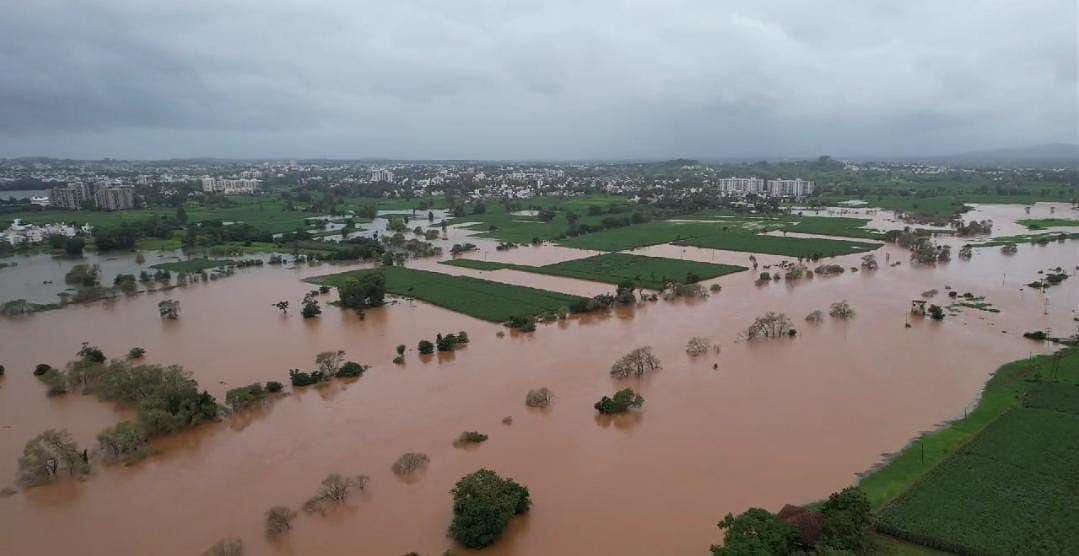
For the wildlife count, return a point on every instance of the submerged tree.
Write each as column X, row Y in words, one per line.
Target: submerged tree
column 279, row 520
column 841, row 310
column 770, row 325
column 409, row 463
column 869, row 262
column 125, row 441
column 333, row 490
column 815, row 316
column 169, row 309
column 697, row 346
column 636, row 363
column 310, row 307
column 622, row 401
column 540, row 397
column 282, row 306
column 49, row 455
column 330, row 361
column 483, row 505
column 226, row 547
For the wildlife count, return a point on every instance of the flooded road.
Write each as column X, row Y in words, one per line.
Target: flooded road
column 784, row 421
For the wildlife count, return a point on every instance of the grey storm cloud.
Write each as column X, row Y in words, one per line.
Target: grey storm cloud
column 533, row 79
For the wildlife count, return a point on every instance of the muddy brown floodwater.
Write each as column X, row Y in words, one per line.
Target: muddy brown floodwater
column 783, row 421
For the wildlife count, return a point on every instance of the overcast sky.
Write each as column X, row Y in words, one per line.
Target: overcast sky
column 550, row 79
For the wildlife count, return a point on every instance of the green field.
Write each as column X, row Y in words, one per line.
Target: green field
column 833, row 226
column 483, row 299
column 1003, row 392
column 1043, row 223
column 1010, row 491
column 193, row 265
column 1001, row 480
column 612, row 268
column 774, row 245
column 264, row 214
column 735, row 234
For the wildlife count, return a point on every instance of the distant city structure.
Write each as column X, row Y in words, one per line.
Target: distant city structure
column 226, row 186
column 80, row 195
column 739, row 187
column 18, row 233
column 381, row 175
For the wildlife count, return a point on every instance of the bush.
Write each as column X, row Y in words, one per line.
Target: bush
column 400, row 349
column 469, row 437
column 409, row 463
column 847, row 520
column 245, row 396
column 425, row 347
column 2, row 370
column 300, row 378
column 41, row 369
column 279, row 520
column 351, row 369
column 274, row 387
column 539, row 398
column 483, row 505
column 936, row 312
column 136, row 353
column 525, row 323
column 756, row 531
column 622, row 401
column 1037, row 335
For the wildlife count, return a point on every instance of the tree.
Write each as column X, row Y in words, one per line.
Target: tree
column 226, row 547
column 244, row 397
column 330, row 361
column 83, row 275
column 334, row 489
column 279, row 520
column 483, row 505
column 136, row 353
column 540, row 397
column 622, row 402
column 425, row 347
column 755, row 532
column 936, row 312
column 169, row 309
column 841, row 310
column 847, row 520
column 369, row 290
column 698, row 346
column 282, row 306
column 310, row 308
column 73, row 246
column 770, row 325
column 410, row 462
column 48, row 455
column 125, row 440
column 636, row 363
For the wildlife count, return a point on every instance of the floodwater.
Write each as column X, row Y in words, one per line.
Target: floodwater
column 784, row 421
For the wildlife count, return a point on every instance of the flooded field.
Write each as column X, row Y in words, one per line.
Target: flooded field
column 757, row 424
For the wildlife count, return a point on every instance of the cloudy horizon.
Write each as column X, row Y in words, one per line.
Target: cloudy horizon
column 534, row 80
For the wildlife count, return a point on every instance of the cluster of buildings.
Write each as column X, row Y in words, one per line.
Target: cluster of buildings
column 103, row 195
column 740, row 187
column 19, row 233
column 228, row 186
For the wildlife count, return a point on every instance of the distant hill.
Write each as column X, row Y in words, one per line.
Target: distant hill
column 1050, row 155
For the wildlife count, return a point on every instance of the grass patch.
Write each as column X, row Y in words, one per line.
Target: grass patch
column 834, row 226
column 483, row 299
column 613, row 268
column 1028, row 238
column 1043, row 223
column 193, row 265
